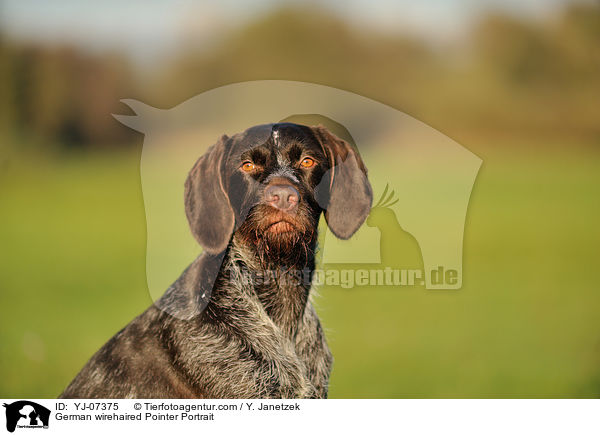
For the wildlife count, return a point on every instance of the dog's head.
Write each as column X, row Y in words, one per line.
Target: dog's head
column 269, row 185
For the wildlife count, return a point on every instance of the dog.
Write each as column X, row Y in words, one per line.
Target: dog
column 239, row 322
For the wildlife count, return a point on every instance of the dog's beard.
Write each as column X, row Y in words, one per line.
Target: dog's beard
column 280, row 239
column 289, row 248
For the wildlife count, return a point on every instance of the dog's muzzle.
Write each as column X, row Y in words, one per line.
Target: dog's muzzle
column 283, row 197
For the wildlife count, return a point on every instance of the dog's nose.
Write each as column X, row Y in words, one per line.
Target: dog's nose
column 282, row 196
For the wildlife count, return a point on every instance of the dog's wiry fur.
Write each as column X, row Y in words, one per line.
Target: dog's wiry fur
column 215, row 333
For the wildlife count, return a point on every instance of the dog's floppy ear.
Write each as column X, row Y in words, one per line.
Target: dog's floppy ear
column 345, row 192
column 207, row 205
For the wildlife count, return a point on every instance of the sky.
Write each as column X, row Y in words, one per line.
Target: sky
column 147, row 28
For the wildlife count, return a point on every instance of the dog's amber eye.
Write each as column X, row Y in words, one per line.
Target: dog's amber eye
column 307, row 162
column 248, row 167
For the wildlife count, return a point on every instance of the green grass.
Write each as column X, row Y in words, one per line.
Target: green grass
column 525, row 323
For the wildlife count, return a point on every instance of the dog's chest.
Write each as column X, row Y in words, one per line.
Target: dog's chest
column 278, row 293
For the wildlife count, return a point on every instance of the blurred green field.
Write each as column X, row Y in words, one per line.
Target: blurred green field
column 525, row 323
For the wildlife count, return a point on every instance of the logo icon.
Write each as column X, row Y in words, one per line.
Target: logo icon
column 430, row 175
column 26, row 414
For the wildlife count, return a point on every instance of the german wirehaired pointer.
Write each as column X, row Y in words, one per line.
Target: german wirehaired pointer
column 238, row 323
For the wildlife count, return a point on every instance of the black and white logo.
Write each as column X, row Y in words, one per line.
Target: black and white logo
column 25, row 414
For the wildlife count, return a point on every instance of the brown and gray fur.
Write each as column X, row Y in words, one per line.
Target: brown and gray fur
column 215, row 333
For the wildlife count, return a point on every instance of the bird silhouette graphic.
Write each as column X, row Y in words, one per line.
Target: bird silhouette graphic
column 398, row 248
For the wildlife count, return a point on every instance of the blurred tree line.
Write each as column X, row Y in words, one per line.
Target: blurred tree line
column 61, row 96
column 511, row 78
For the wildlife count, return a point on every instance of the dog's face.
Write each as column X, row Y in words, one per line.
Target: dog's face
column 269, row 185
column 274, row 188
